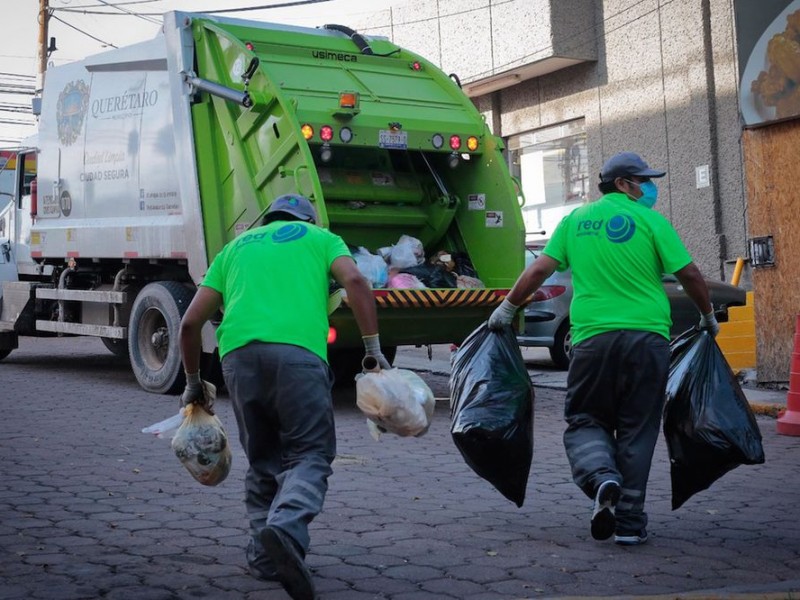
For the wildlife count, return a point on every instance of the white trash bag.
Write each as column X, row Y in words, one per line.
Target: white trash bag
column 202, row 446
column 199, row 441
column 408, row 252
column 395, row 400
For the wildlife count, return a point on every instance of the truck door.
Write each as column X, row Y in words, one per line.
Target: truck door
column 8, row 270
column 24, row 214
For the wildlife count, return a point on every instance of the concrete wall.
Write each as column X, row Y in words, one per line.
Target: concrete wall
column 663, row 84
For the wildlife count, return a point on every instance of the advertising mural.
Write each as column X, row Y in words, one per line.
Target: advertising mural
column 768, row 41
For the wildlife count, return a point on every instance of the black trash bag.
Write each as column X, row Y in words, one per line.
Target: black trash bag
column 433, row 276
column 464, row 264
column 708, row 424
column 491, row 407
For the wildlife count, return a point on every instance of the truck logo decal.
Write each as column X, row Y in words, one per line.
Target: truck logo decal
column 329, row 55
column 66, row 203
column 71, row 110
column 124, row 102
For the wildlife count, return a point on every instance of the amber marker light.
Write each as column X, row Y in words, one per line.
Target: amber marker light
column 348, row 100
column 472, row 143
column 307, row 131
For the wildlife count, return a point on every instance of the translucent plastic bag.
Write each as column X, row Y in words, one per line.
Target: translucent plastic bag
column 202, row 446
column 372, row 266
column 404, row 281
column 709, row 426
column 167, row 427
column 395, row 400
column 491, row 406
column 408, row 252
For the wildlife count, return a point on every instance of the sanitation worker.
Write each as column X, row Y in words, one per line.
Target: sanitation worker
column 617, row 249
column 272, row 284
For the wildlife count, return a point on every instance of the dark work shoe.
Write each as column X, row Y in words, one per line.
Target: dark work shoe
column 290, row 567
column 631, row 538
column 605, row 503
column 261, row 574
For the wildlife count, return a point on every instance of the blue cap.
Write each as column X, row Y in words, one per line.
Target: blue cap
column 296, row 205
column 626, row 164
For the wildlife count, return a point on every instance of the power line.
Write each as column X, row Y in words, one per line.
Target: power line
column 129, row 12
column 15, row 122
column 97, row 39
column 265, row 6
column 20, row 75
column 216, row 12
column 115, row 4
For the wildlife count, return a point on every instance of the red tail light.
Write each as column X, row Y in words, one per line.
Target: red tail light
column 331, row 335
column 548, row 292
column 455, row 142
column 326, row 133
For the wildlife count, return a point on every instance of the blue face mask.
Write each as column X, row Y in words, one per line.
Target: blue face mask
column 649, row 194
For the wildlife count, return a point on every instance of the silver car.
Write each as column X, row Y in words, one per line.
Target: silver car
column 547, row 316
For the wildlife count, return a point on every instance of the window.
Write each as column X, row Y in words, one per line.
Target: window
column 551, row 165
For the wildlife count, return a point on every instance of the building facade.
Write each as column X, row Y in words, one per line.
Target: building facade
column 569, row 83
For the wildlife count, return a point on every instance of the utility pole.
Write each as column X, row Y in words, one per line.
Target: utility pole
column 44, row 18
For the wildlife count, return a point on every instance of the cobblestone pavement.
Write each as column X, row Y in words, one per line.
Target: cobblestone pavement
column 92, row 508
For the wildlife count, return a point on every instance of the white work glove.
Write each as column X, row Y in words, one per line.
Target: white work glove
column 709, row 323
column 372, row 347
column 199, row 392
column 502, row 316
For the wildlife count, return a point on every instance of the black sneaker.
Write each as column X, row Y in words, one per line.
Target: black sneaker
column 631, row 538
column 290, row 567
column 261, row 574
column 605, row 503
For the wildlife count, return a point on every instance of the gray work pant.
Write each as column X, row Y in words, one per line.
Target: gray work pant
column 281, row 397
column 615, row 396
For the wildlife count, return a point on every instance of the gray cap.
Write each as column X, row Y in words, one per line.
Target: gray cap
column 626, row 164
column 296, row 205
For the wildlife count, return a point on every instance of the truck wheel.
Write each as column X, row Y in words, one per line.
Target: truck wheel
column 346, row 363
column 115, row 346
column 561, row 352
column 4, row 353
column 153, row 336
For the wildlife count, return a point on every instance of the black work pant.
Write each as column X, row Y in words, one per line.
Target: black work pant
column 615, row 396
column 281, row 396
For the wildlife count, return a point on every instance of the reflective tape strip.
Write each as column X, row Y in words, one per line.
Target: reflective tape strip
column 437, row 298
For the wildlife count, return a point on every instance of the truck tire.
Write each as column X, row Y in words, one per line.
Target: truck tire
column 346, row 363
column 153, row 336
column 115, row 346
column 4, row 353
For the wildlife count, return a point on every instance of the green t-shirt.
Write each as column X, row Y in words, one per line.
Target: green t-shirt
column 274, row 284
column 617, row 250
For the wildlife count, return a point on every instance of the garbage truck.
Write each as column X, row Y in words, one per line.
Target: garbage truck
column 148, row 159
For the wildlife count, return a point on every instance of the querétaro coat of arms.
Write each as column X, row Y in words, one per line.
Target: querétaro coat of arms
column 73, row 103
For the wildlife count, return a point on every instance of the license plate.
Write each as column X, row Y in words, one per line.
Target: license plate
column 392, row 139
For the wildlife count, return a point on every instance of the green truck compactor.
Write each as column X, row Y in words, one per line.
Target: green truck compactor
column 381, row 140
column 152, row 157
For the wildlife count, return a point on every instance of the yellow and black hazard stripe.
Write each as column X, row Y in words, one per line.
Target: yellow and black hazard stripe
column 438, row 298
